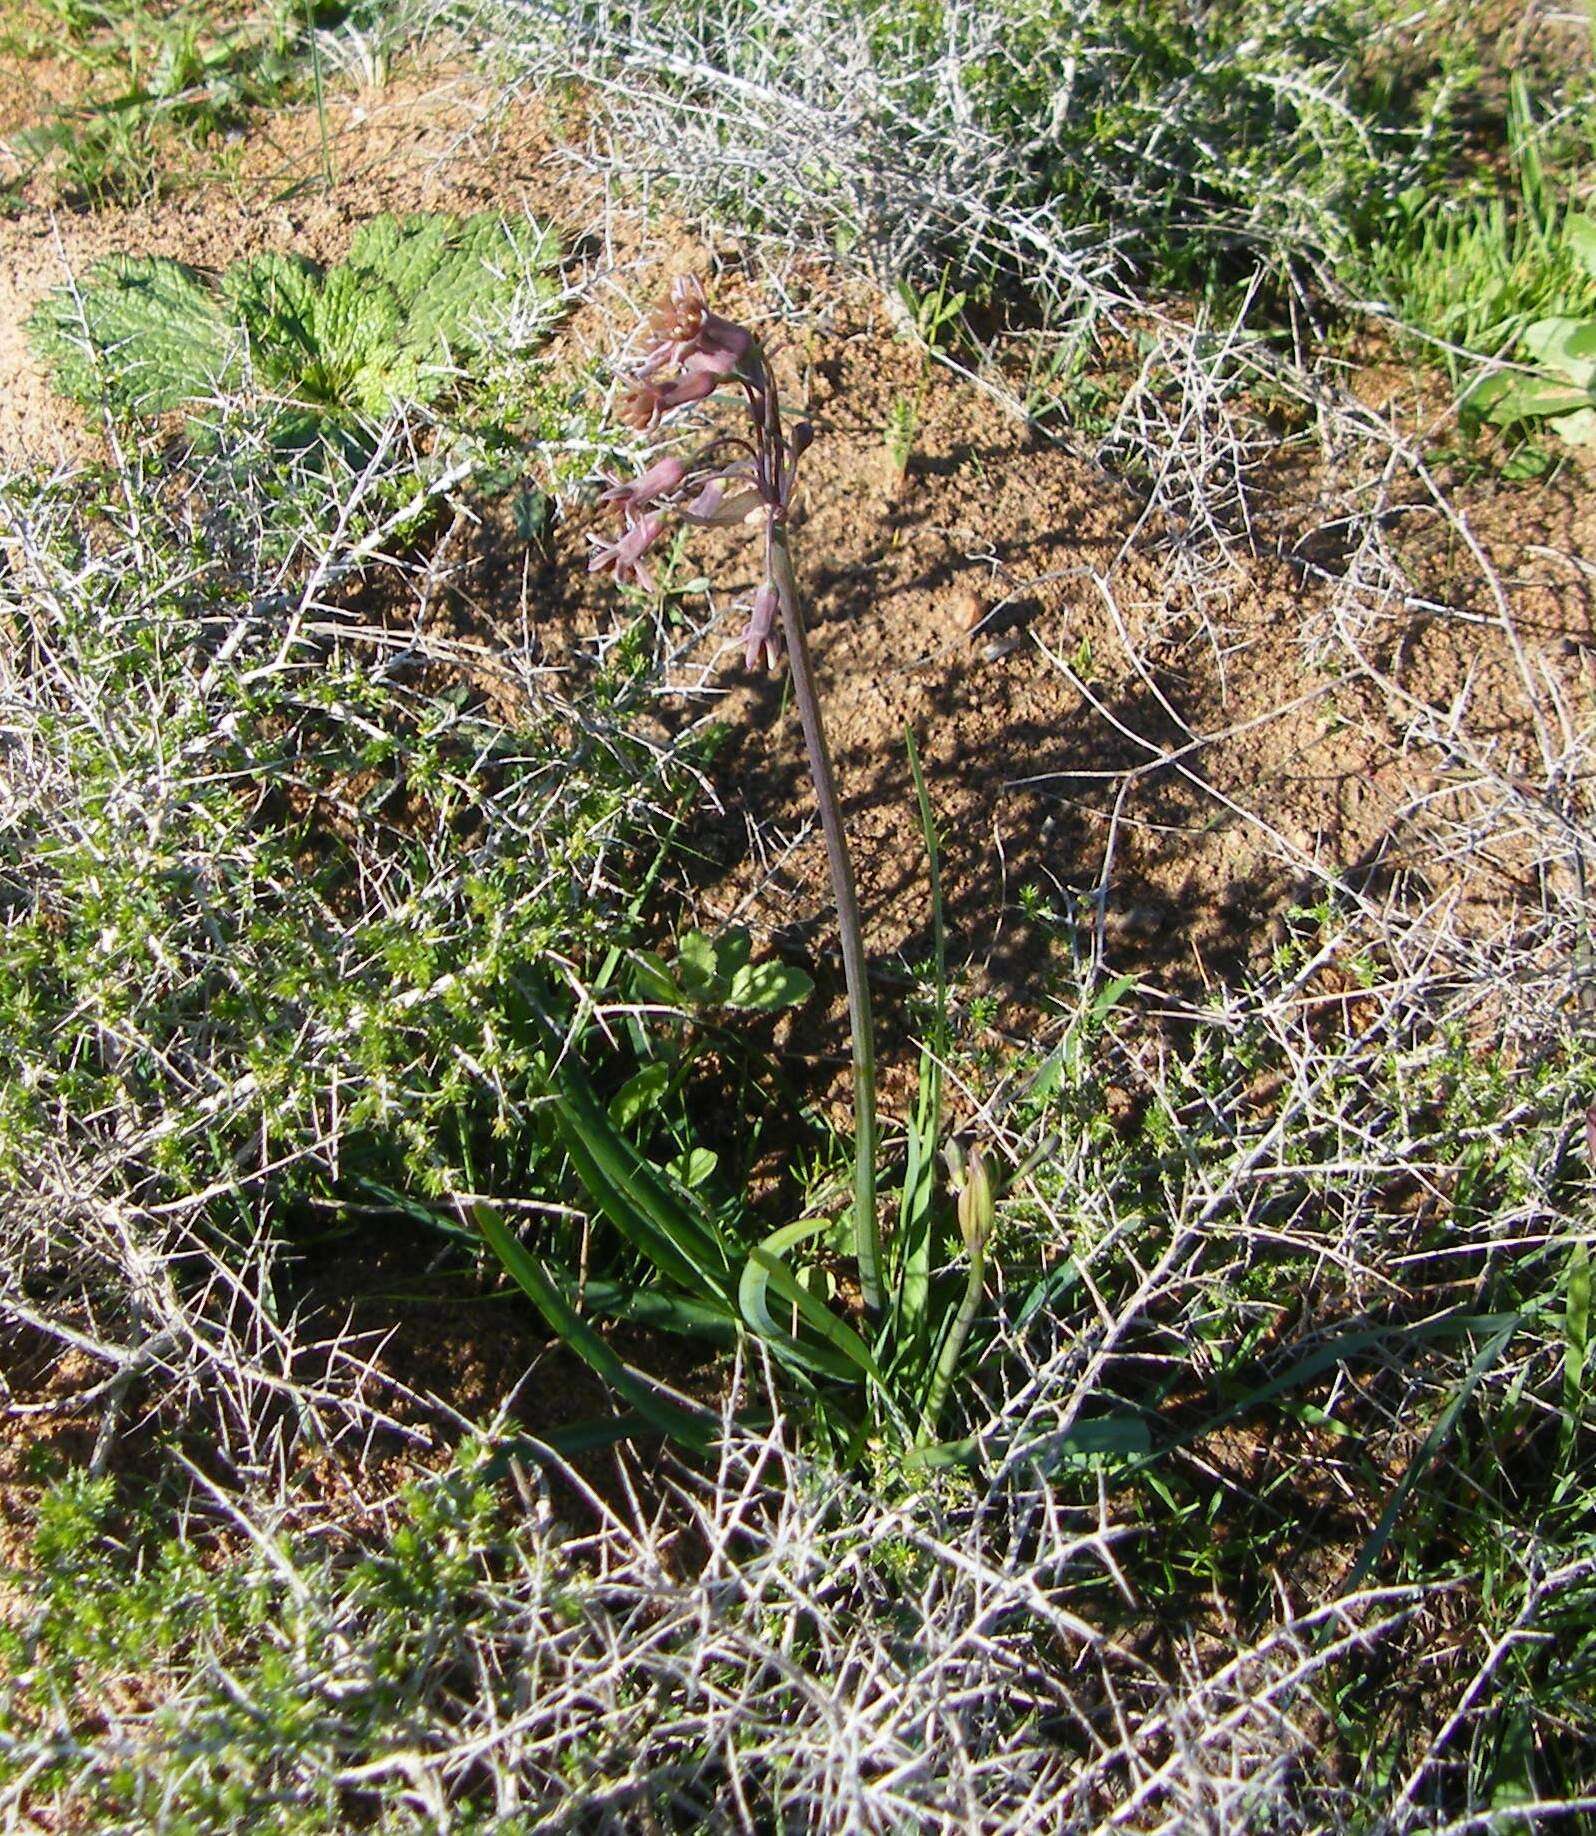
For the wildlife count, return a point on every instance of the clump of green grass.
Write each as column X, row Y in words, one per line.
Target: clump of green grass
column 1469, row 267
column 163, row 79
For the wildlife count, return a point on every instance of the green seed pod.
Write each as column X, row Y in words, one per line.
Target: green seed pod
column 975, row 1204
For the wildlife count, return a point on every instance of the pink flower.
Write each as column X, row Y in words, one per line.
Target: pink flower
column 643, row 401
column 683, row 330
column 762, row 634
column 662, row 478
column 714, row 509
column 625, row 554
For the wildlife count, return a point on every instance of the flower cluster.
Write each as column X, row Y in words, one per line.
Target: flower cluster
column 690, row 353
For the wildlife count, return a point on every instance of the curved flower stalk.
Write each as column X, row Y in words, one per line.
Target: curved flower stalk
column 749, row 478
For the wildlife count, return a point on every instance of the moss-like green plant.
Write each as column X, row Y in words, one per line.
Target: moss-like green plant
column 391, row 324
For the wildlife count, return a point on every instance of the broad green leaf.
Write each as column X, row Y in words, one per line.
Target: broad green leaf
column 732, row 951
column 1567, row 347
column 147, row 335
column 1576, row 429
column 654, row 981
column 1531, row 397
column 696, row 968
column 693, row 1168
column 640, row 1092
column 767, row 986
column 388, row 325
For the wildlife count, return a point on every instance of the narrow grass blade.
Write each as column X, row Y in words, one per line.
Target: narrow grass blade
column 1576, row 1337
column 919, row 1178
column 695, row 1428
column 1434, row 1441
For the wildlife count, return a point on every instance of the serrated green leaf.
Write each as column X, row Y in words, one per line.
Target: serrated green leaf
column 145, row 335
column 391, row 324
column 765, row 987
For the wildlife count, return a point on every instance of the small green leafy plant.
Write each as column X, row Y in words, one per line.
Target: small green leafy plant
column 1558, row 388
column 160, row 77
column 932, row 319
column 329, row 349
column 1509, row 274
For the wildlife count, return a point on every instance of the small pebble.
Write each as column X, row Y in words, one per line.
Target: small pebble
column 969, row 608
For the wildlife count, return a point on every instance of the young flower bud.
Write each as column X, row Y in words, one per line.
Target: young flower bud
column 762, row 633
column 975, row 1204
column 662, row 478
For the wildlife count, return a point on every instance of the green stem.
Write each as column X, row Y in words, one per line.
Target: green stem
column 867, row 1229
column 952, row 1347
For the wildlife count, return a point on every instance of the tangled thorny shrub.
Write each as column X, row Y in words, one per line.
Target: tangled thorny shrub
column 1050, row 143
column 750, row 1644
column 271, row 869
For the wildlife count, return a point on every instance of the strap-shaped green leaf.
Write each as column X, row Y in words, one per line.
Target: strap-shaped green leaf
column 696, row 1428
column 634, row 1195
column 842, row 1352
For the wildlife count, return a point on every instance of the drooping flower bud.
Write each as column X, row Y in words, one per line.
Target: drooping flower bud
column 625, row 555
column 662, row 478
column 715, row 509
column 763, row 633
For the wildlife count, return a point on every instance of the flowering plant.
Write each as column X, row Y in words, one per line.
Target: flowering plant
column 705, row 1278
column 749, row 478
